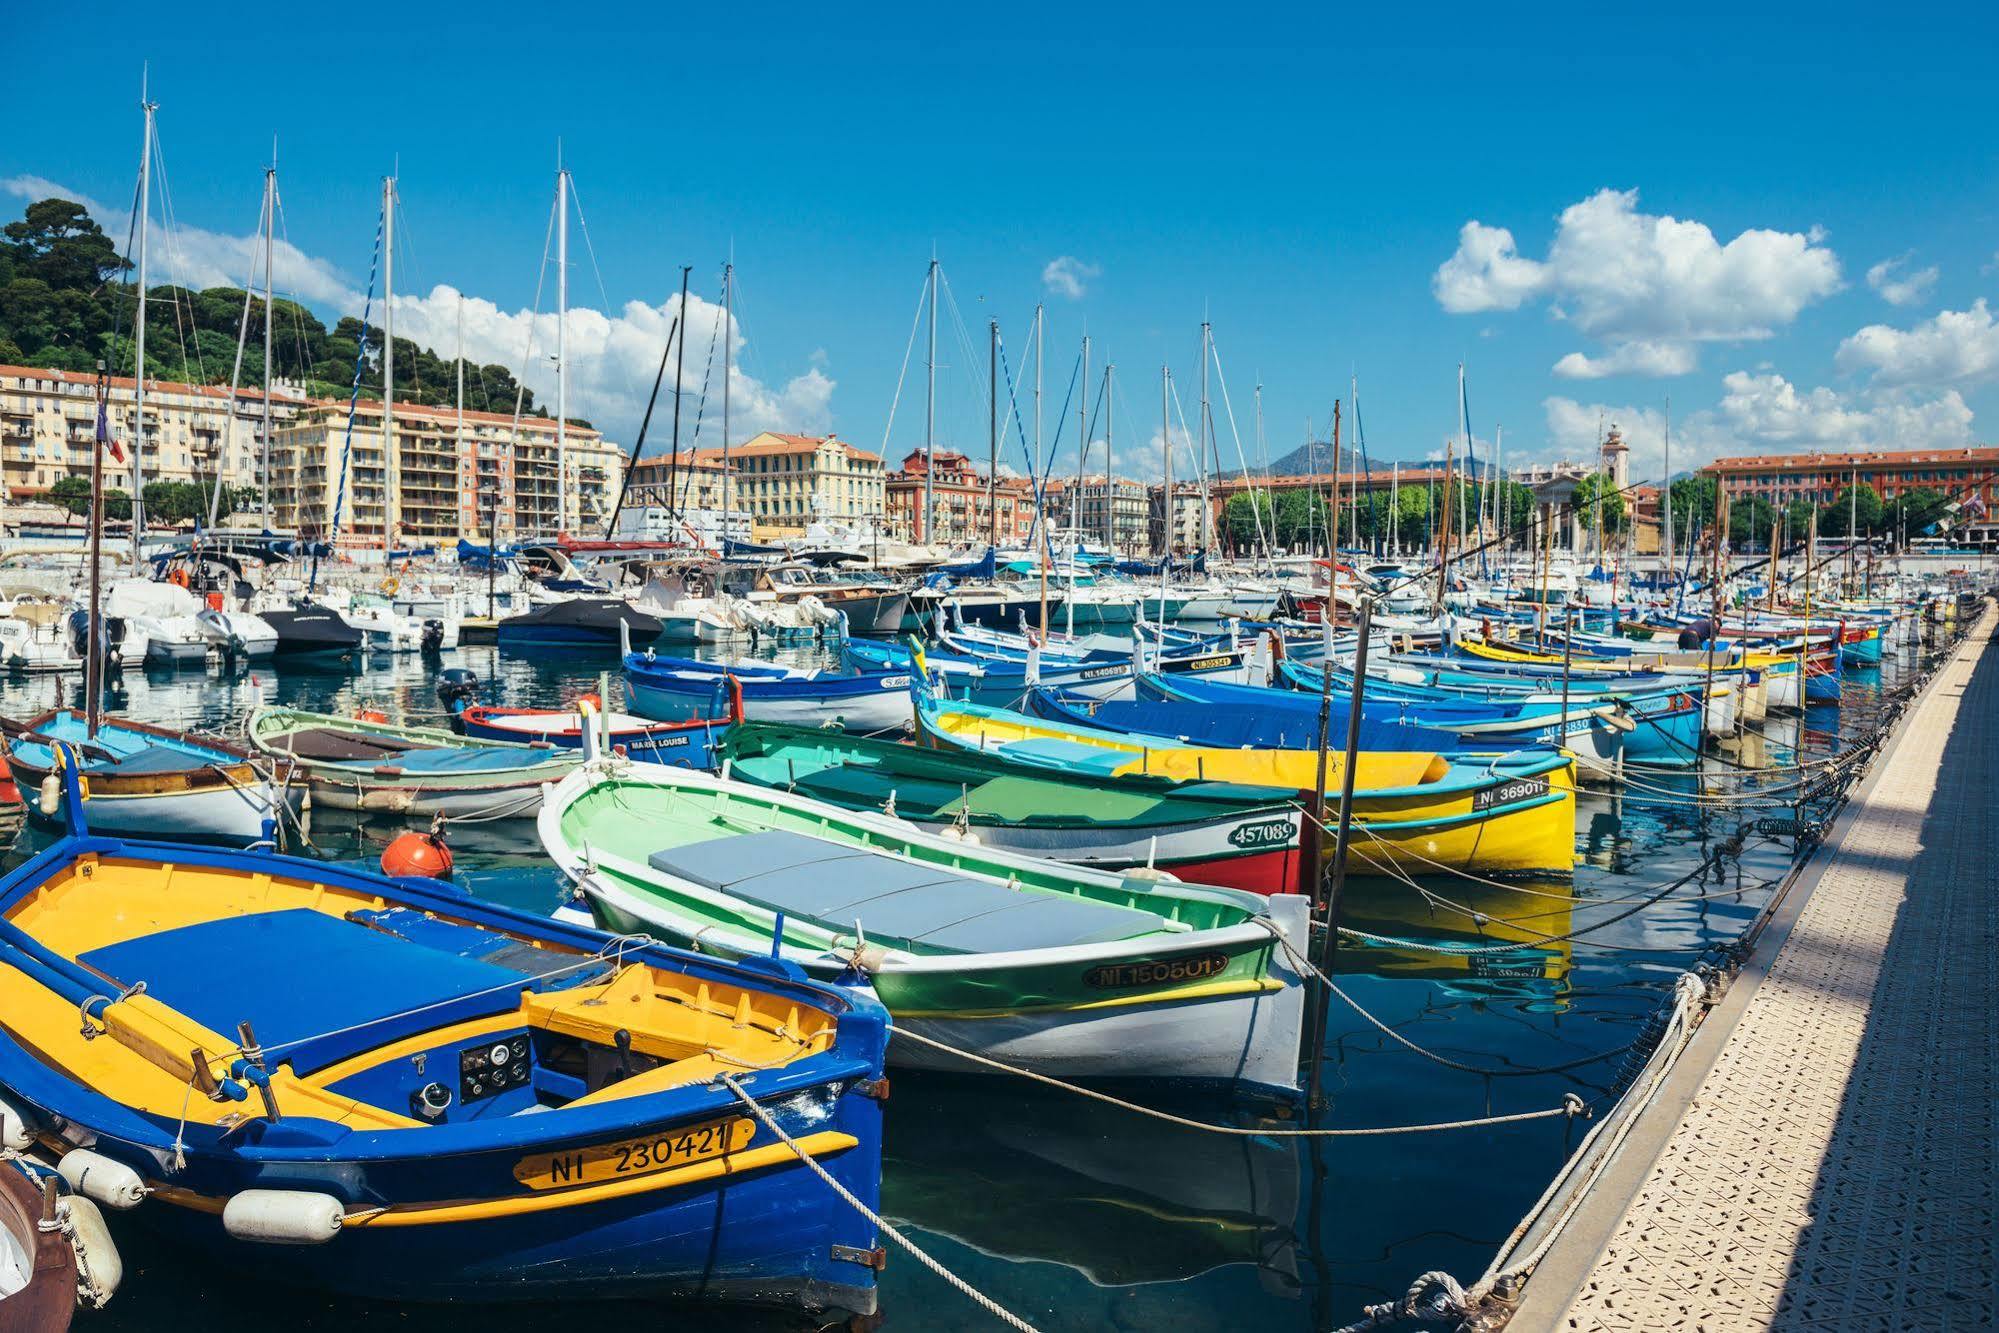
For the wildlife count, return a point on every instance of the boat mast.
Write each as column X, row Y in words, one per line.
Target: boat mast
column 93, row 652
column 1082, row 446
column 458, row 438
column 562, row 344
column 1667, row 486
column 148, row 106
column 928, row 535
column 391, row 460
column 728, row 351
column 270, row 318
column 673, row 502
column 1166, row 510
column 1110, row 481
column 992, row 433
column 1207, row 440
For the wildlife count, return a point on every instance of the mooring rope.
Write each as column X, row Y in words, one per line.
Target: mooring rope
column 1571, row 1106
column 875, row 1219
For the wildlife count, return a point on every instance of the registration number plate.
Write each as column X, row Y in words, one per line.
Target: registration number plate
column 634, row 1157
column 1506, row 793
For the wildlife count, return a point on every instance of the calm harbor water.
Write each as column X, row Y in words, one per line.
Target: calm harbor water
column 1080, row 1216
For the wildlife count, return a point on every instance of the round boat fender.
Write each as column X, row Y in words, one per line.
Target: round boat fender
column 283, row 1217
column 98, row 1177
column 99, row 1267
column 15, row 1134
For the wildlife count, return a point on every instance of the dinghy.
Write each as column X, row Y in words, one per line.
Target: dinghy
column 391, row 1089
column 687, row 744
column 353, row 764
column 1066, row 971
column 148, row 781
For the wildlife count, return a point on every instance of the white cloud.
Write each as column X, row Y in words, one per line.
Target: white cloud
column 194, row 257
column 1762, row 412
column 1954, row 347
column 612, row 359
column 1486, row 272
column 1068, row 276
column 1897, row 287
column 1638, row 357
column 1626, row 277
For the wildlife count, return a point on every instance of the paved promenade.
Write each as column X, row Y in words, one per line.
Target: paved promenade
column 1834, row 1167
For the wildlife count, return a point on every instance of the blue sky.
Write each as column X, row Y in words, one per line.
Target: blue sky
column 1305, row 178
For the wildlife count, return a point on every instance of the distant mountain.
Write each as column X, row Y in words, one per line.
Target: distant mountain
column 1317, row 457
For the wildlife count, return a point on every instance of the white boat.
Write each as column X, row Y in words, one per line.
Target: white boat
column 160, row 623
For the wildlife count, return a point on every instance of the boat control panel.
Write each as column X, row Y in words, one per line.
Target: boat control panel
column 489, row 1068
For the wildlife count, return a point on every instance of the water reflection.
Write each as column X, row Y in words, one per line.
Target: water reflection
column 1118, row 1199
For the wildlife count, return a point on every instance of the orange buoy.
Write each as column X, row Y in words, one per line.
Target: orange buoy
column 9, row 793
column 422, row 855
column 365, row 714
column 591, row 699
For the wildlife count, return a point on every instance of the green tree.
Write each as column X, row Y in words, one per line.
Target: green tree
column 71, row 493
column 57, row 243
column 1240, row 517
column 1861, row 503
column 1915, row 511
column 1588, row 491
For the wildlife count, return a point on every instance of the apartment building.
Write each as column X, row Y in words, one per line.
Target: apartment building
column 1821, row 478
column 450, row 476
column 1116, row 510
column 48, row 423
column 788, row 482
column 960, row 500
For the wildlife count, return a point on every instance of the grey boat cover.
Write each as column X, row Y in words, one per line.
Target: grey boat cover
column 927, row 907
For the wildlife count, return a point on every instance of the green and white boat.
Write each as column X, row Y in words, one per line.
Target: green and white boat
column 1066, row 971
column 357, row 763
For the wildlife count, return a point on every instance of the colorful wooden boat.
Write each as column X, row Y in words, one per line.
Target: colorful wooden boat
column 39, row 1273
column 672, row 688
column 1414, row 811
column 686, row 744
column 350, row 763
column 149, row 781
column 1205, row 833
column 1068, row 971
column 391, row 1089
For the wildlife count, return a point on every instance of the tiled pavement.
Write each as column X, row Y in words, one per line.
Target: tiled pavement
column 1835, row 1169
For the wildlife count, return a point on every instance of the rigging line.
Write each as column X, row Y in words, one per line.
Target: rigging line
column 1228, row 409
column 701, row 403
column 534, row 317
column 291, row 293
column 902, row 375
column 964, row 340
column 624, row 370
column 354, row 396
column 180, row 289
column 236, row 370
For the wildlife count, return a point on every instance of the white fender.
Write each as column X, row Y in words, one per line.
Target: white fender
column 99, row 1266
column 96, row 1176
column 283, row 1217
column 15, row 1136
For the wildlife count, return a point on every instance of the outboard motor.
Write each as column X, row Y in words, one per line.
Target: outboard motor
column 457, row 687
column 113, row 632
column 432, row 642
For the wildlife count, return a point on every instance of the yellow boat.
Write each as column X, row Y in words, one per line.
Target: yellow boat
column 1414, row 811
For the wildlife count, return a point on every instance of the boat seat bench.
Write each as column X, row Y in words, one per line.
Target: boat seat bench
column 894, row 898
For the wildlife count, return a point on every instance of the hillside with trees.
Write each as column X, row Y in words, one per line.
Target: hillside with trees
column 67, row 299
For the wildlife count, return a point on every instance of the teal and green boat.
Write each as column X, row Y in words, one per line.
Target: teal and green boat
column 1203, row 832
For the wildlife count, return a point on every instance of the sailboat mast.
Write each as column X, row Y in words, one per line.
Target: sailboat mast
column 1667, row 486
column 270, row 318
column 147, row 105
column 1110, row 479
column 458, row 436
column 1166, row 510
column 929, row 534
column 992, row 433
column 391, row 459
column 728, row 353
column 674, row 507
column 1209, row 475
column 562, row 345
column 1082, row 443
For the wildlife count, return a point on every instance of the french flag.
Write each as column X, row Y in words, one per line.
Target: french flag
column 104, row 435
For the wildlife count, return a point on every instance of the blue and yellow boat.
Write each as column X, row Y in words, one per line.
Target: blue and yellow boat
column 385, row 1087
